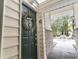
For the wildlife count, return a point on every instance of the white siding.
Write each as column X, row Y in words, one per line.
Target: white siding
column 11, row 29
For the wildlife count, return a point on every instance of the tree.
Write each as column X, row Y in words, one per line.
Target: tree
column 65, row 25
column 56, row 27
column 62, row 26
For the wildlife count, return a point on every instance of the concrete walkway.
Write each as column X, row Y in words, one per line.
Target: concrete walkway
column 63, row 50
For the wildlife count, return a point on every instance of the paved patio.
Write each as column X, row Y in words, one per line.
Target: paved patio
column 63, row 50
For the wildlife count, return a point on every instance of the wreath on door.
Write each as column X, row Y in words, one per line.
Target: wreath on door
column 27, row 22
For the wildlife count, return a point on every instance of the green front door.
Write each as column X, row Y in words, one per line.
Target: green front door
column 29, row 41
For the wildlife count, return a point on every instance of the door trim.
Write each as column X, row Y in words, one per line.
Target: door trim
column 20, row 8
column 29, row 5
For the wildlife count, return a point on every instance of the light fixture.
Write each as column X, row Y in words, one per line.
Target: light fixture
column 34, row 4
column 40, row 1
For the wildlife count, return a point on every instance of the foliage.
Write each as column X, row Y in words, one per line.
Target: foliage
column 62, row 26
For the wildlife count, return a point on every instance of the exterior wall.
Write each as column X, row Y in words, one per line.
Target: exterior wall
column 10, row 40
column 11, row 28
column 49, row 41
